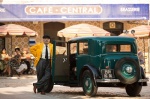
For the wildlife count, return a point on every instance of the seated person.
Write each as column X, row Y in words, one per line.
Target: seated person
column 13, row 62
column 4, row 60
column 4, row 55
column 21, row 68
column 27, row 57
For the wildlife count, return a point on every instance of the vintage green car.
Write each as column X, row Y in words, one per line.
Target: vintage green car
column 92, row 62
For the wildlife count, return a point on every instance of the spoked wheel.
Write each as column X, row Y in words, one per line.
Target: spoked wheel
column 50, row 85
column 133, row 89
column 88, row 85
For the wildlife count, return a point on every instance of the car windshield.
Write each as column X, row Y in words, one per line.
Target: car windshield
column 118, row 48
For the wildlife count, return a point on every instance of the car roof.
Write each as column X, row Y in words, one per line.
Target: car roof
column 103, row 38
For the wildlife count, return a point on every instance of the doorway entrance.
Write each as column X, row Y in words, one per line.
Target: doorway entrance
column 115, row 28
column 51, row 29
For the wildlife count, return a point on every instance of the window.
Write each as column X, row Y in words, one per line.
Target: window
column 125, row 48
column 111, row 48
column 61, row 50
column 118, row 48
column 73, row 48
column 83, row 48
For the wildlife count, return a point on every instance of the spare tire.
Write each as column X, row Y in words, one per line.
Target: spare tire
column 127, row 70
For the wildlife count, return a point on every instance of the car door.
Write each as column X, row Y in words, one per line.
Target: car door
column 60, row 69
column 82, row 57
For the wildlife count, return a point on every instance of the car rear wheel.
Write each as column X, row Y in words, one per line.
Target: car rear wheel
column 88, row 85
column 127, row 70
column 133, row 89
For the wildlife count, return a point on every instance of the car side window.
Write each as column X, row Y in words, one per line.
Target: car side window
column 121, row 48
column 125, row 48
column 83, row 48
column 111, row 48
column 73, row 48
column 61, row 50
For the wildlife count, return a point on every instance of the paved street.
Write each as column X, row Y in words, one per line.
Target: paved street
column 21, row 88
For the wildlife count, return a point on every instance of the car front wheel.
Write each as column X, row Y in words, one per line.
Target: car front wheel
column 88, row 85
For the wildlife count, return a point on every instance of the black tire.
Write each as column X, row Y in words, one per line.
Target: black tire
column 50, row 85
column 88, row 85
column 121, row 70
column 133, row 89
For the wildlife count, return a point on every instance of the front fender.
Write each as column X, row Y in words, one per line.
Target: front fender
column 93, row 70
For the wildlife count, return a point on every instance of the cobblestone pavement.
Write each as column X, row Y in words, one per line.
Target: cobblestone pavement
column 21, row 88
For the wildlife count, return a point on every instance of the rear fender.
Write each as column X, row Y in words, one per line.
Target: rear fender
column 142, row 72
column 93, row 70
column 143, row 76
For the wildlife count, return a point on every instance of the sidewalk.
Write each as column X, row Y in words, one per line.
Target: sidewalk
column 148, row 75
column 21, row 77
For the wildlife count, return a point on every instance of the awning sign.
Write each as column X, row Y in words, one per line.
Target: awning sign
column 43, row 12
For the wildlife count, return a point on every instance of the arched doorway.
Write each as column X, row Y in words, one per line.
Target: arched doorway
column 2, row 40
column 115, row 28
column 51, row 29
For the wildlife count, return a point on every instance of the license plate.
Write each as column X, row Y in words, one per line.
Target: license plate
column 107, row 73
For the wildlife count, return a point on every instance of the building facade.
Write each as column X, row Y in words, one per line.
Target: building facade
column 47, row 17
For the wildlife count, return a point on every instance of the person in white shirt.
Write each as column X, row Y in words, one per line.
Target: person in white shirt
column 43, row 53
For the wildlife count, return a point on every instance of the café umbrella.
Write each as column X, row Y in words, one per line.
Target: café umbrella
column 81, row 30
column 10, row 30
column 16, row 30
column 138, row 31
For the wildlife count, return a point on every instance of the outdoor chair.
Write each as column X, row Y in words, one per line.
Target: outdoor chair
column 14, row 65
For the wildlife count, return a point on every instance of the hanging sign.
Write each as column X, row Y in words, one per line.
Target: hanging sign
column 32, row 41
